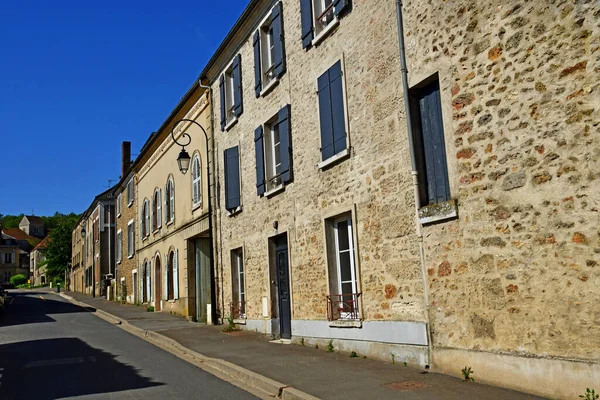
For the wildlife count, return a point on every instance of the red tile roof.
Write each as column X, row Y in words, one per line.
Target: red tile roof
column 43, row 244
column 20, row 235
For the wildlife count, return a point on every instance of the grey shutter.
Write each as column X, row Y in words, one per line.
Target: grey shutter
column 237, row 85
column 223, row 103
column 308, row 32
column 419, row 149
column 165, row 208
column 331, row 112
column 340, row 6
column 285, row 144
column 257, row 66
column 232, row 178
column 279, row 50
column 432, row 129
column 260, row 161
column 165, row 284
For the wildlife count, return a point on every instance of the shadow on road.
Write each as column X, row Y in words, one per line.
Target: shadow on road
column 35, row 307
column 57, row 368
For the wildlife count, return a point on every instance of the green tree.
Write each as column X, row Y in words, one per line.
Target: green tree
column 58, row 252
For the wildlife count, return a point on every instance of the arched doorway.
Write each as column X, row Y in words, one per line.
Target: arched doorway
column 158, row 283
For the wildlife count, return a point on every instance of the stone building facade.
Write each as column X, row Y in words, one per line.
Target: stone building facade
column 126, row 277
column 337, row 216
column 37, row 272
column 513, row 279
column 172, row 214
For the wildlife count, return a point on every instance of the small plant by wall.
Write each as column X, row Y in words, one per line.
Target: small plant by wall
column 353, row 355
column 230, row 327
column 150, row 309
column 590, row 394
column 467, row 372
column 330, row 347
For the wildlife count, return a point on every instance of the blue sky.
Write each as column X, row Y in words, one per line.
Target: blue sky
column 77, row 78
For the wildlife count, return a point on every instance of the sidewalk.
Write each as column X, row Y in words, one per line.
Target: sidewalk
column 314, row 371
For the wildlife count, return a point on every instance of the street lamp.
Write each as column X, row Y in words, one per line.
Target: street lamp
column 183, row 160
column 184, row 163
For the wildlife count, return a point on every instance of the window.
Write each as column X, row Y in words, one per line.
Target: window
column 8, row 258
column 119, row 246
column 119, row 205
column 269, row 55
column 130, row 239
column 156, row 210
column 130, row 193
column 332, row 113
column 272, row 143
column 6, row 276
column 172, row 276
column 318, row 17
column 343, row 280
column 232, row 179
column 230, row 87
column 145, row 220
column 169, row 201
column 196, row 182
column 238, row 306
column 429, row 141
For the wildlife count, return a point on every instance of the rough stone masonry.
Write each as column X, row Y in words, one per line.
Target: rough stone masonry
column 518, row 272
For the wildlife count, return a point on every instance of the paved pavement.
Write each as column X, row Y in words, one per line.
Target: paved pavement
column 50, row 349
column 321, row 374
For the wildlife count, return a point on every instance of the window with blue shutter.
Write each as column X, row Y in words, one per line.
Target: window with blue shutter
column 273, row 145
column 269, row 51
column 318, row 17
column 230, row 93
column 232, row 178
column 332, row 112
column 430, row 150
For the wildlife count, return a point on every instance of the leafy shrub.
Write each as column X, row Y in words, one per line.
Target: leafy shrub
column 18, row 279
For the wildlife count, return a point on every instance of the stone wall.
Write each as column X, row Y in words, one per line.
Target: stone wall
column 127, row 265
column 518, row 271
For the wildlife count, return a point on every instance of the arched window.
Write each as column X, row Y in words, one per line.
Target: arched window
column 169, row 201
column 196, row 182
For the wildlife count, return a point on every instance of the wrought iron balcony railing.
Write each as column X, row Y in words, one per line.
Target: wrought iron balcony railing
column 238, row 310
column 343, row 307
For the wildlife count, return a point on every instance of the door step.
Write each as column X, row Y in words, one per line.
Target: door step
column 281, row 341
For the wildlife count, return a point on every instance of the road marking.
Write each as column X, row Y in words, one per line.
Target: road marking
column 11, row 300
column 41, row 298
column 63, row 361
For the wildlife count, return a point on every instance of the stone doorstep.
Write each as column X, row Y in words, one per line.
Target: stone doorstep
column 256, row 384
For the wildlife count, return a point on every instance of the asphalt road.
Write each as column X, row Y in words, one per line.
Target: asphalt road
column 52, row 349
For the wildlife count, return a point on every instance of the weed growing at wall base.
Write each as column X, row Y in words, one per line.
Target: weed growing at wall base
column 589, row 395
column 467, row 371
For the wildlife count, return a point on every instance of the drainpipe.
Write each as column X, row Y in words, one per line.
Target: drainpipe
column 214, row 275
column 415, row 173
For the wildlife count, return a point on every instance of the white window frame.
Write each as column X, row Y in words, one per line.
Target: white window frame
column 130, row 240
column 119, row 205
column 267, row 49
column 230, row 117
column 119, row 246
column 241, row 280
column 196, row 181
column 156, row 210
column 352, row 251
column 321, row 31
column 270, row 155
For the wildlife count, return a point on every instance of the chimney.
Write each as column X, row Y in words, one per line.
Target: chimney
column 125, row 157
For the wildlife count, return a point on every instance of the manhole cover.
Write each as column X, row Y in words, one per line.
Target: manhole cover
column 406, row 385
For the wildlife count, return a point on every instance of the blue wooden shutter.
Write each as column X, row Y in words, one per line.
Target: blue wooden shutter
column 285, row 143
column 338, row 113
column 436, row 169
column 325, row 116
column 260, row 161
column 257, row 67
column 340, row 6
column 331, row 112
column 308, row 32
column 237, row 85
column 232, row 178
column 223, row 103
column 279, row 50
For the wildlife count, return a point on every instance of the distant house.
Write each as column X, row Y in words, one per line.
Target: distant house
column 11, row 258
column 37, row 272
column 32, row 225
